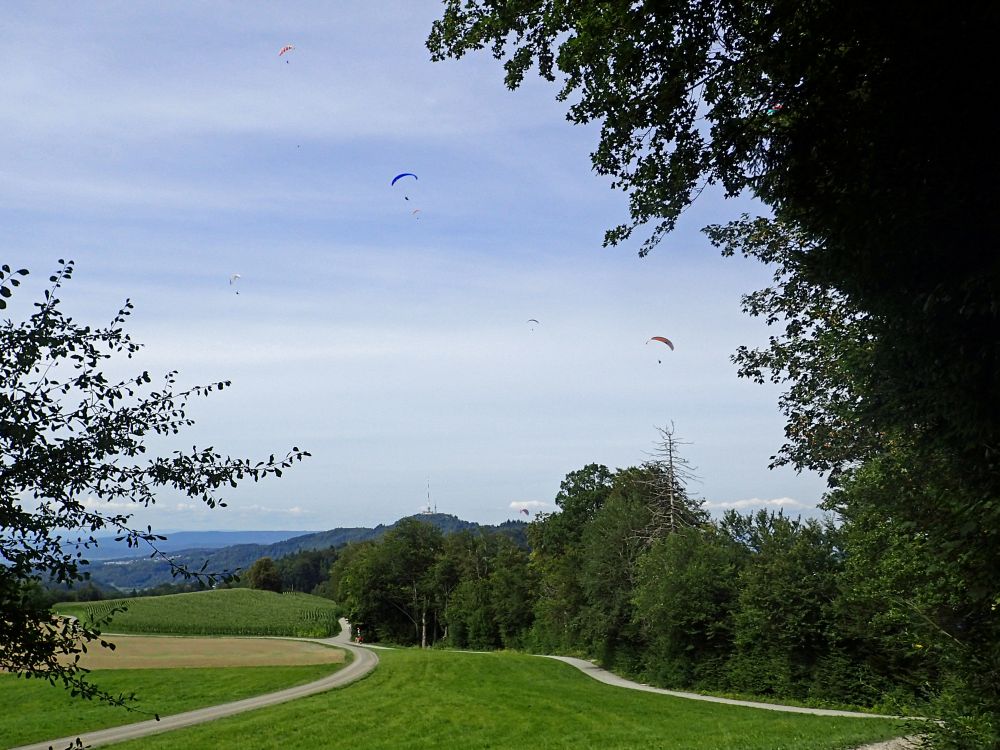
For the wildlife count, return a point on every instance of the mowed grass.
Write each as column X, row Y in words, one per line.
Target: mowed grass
column 439, row 699
column 34, row 710
column 244, row 612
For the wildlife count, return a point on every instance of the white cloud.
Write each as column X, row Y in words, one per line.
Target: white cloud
column 756, row 502
column 295, row 510
column 91, row 503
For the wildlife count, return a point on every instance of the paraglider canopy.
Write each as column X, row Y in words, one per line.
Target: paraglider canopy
column 401, row 175
column 525, row 511
column 286, row 48
column 663, row 340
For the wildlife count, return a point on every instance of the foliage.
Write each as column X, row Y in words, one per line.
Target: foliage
column 685, row 600
column 416, row 586
column 224, row 612
column 387, row 585
column 557, row 557
column 782, row 621
column 919, row 513
column 72, row 448
column 263, row 575
column 490, row 602
column 141, row 573
column 832, row 118
column 610, row 547
column 886, row 218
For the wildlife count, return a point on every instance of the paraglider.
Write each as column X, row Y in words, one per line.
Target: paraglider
column 535, row 321
column 286, row 48
column 662, row 340
column 525, row 511
column 233, row 279
column 401, row 175
column 414, row 213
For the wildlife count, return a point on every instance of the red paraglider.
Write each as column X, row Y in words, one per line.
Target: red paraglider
column 664, row 340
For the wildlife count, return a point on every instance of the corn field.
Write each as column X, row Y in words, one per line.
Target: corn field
column 226, row 612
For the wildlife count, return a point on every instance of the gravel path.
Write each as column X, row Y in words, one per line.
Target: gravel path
column 365, row 660
column 900, row 743
column 609, row 678
column 363, row 663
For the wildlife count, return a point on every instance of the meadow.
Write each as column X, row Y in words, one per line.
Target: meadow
column 414, row 699
column 44, row 711
column 244, row 612
column 441, row 699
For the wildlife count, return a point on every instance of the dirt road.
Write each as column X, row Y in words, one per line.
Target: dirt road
column 363, row 663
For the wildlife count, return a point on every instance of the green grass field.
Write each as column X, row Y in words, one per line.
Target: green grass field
column 223, row 612
column 438, row 699
column 35, row 711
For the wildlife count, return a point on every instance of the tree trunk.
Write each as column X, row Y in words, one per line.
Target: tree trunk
column 423, row 626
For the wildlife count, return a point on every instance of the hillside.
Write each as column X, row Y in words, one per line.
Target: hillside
column 126, row 574
column 110, row 549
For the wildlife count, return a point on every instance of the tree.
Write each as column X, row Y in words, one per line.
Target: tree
column 861, row 128
column 390, row 584
column 607, row 555
column 901, row 471
column 556, row 556
column 685, row 594
column 784, row 608
column 264, row 576
column 73, row 450
column 671, row 508
column 859, row 125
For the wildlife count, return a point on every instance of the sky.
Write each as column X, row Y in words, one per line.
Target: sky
column 167, row 147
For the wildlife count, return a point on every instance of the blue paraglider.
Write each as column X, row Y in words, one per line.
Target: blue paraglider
column 401, row 175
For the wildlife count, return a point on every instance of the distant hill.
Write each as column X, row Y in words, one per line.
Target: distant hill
column 127, row 573
column 109, row 549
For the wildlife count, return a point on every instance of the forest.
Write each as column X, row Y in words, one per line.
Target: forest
column 634, row 573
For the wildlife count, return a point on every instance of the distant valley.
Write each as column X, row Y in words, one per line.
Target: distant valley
column 110, row 549
column 221, row 551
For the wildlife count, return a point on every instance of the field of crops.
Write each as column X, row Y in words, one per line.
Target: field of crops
column 223, row 612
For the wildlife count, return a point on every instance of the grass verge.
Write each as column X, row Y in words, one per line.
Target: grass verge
column 37, row 711
column 421, row 699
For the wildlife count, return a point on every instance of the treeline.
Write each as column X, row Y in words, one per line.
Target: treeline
column 634, row 573
column 307, row 572
column 89, row 591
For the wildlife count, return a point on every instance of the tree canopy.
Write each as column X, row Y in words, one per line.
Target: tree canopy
column 861, row 128
column 73, row 451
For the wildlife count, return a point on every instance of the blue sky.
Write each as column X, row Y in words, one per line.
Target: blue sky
column 166, row 147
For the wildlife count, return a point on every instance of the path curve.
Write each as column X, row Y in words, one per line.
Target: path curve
column 364, row 662
column 609, row 678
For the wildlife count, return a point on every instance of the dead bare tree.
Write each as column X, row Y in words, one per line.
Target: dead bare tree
column 669, row 474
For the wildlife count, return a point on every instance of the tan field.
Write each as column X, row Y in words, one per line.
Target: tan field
column 166, row 652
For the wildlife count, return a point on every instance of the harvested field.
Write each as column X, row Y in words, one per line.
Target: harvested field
column 166, row 652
